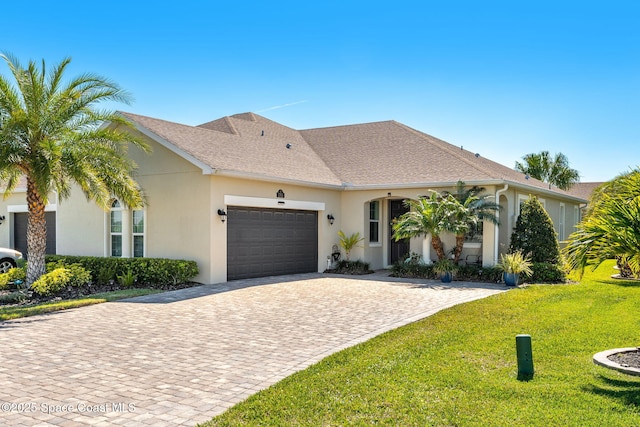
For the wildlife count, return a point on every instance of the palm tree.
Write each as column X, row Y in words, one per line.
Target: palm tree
column 51, row 134
column 477, row 207
column 434, row 215
column 611, row 228
column 554, row 171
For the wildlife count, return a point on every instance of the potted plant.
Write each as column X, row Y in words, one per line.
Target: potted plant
column 445, row 268
column 512, row 265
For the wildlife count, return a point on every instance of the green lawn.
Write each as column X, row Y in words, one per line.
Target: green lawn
column 7, row 313
column 458, row 367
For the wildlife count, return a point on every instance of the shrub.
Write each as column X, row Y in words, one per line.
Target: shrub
column 150, row 272
column 52, row 282
column 11, row 276
column 416, row 270
column 534, row 234
column 78, row 275
column 127, row 280
column 351, row 267
column 545, row 272
column 14, row 297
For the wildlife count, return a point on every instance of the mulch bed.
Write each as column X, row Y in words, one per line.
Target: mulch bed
column 31, row 298
column 629, row 359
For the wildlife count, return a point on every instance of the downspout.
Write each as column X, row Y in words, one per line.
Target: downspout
column 496, row 238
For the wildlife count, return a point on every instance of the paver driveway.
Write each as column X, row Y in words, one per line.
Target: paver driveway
column 182, row 357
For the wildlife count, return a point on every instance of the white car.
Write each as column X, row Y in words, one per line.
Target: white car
column 8, row 259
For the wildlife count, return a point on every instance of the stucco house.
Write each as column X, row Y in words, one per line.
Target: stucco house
column 246, row 197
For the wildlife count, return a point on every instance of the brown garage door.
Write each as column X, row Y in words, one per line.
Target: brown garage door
column 20, row 232
column 270, row 242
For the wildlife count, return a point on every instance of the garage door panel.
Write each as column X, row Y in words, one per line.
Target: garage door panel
column 266, row 242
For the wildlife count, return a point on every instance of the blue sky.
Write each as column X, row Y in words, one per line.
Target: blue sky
column 501, row 78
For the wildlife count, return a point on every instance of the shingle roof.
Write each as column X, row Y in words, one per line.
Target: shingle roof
column 376, row 154
column 245, row 144
column 584, row 190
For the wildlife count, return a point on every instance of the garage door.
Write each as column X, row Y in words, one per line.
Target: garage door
column 270, row 242
column 20, row 232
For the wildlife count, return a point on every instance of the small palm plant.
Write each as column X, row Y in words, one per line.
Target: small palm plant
column 349, row 242
column 513, row 265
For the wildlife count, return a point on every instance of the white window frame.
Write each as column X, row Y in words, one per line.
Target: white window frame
column 375, row 221
column 561, row 222
column 135, row 233
column 116, row 207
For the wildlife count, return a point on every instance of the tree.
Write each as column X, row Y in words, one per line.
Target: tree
column 552, row 170
column 611, row 228
column 534, row 234
column 51, row 133
column 434, row 215
column 477, row 207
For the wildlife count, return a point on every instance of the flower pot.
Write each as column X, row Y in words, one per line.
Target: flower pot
column 446, row 277
column 511, row 279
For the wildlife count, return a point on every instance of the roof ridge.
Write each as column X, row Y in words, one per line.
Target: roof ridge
column 347, row 125
column 452, row 149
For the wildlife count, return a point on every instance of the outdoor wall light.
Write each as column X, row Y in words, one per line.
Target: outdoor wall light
column 223, row 215
column 331, row 219
column 1, row 219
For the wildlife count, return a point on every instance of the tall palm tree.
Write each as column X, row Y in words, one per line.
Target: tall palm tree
column 434, row 215
column 51, row 133
column 552, row 170
column 611, row 228
column 477, row 207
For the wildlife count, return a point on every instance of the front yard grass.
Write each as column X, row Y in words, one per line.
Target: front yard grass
column 459, row 367
column 15, row 312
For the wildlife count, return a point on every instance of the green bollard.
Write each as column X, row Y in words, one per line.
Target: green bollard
column 525, row 357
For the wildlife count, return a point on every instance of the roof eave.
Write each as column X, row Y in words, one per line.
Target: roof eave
column 275, row 179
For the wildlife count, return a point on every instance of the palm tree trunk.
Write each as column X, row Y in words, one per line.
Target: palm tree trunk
column 459, row 245
column 36, row 234
column 436, row 243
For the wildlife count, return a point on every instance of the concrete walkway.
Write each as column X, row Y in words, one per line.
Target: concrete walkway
column 182, row 357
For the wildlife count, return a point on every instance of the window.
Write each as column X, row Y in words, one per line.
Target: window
column 115, row 228
column 475, row 232
column 374, row 222
column 138, row 234
column 561, row 223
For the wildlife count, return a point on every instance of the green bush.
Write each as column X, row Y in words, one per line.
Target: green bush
column 150, row 272
column 79, row 276
column 545, row 272
column 52, row 282
column 534, row 235
column 13, row 298
column 413, row 269
column 11, row 276
column 352, row 267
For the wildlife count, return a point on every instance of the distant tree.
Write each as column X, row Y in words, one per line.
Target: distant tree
column 553, row 170
column 51, row 134
column 534, row 234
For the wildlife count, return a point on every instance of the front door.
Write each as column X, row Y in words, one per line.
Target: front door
column 397, row 250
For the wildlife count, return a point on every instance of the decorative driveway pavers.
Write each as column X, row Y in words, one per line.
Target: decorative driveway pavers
column 182, row 357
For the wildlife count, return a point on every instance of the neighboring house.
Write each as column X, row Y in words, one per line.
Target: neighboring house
column 276, row 187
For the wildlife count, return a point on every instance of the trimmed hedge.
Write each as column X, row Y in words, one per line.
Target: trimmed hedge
column 149, row 272
column 415, row 269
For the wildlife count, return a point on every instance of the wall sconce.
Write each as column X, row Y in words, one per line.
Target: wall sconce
column 1, row 219
column 331, row 219
column 223, row 215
